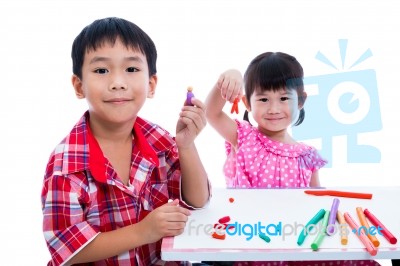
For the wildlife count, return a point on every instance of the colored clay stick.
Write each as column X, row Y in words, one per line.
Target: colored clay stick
column 332, row 217
column 220, row 226
column 224, row 220
column 364, row 223
column 318, row 240
column 343, row 231
column 360, row 234
column 189, row 96
column 264, row 237
column 386, row 233
column 235, row 106
column 336, row 193
column 313, row 222
column 218, row 236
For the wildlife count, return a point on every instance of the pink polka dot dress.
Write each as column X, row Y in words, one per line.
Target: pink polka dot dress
column 260, row 162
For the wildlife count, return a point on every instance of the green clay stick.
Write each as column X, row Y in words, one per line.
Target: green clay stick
column 318, row 240
column 313, row 222
column 264, row 237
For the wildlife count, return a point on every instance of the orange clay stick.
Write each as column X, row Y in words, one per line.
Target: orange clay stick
column 218, row 236
column 364, row 222
column 336, row 193
column 342, row 224
column 235, row 106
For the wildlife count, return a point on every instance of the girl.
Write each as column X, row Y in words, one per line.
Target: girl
column 266, row 156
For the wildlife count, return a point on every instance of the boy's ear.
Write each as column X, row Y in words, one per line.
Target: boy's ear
column 302, row 100
column 77, row 83
column 248, row 108
column 152, row 86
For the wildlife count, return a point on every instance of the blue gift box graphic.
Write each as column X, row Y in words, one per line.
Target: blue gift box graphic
column 347, row 103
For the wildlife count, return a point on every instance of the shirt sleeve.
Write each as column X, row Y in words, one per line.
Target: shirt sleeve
column 243, row 128
column 313, row 160
column 65, row 229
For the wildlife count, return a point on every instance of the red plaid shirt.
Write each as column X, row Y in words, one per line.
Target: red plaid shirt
column 82, row 197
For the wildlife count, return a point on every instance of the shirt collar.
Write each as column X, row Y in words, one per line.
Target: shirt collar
column 97, row 161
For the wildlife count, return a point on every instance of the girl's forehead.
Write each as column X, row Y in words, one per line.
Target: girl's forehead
column 283, row 90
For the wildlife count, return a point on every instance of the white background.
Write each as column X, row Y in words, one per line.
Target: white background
column 196, row 41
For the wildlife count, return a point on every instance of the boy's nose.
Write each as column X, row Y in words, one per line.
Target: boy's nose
column 118, row 83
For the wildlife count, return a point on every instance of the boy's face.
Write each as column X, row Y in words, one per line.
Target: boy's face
column 115, row 82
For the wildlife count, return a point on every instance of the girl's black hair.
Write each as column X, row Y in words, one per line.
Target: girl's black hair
column 107, row 30
column 274, row 71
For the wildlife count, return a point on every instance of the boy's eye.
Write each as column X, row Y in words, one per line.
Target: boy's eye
column 132, row 69
column 285, row 99
column 264, row 100
column 101, row 71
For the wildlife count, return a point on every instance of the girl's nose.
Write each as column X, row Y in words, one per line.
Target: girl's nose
column 273, row 107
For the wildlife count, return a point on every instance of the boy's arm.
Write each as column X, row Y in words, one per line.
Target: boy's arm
column 227, row 88
column 194, row 183
column 167, row 220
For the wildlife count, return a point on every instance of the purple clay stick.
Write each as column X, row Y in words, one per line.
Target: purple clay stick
column 189, row 96
column 330, row 229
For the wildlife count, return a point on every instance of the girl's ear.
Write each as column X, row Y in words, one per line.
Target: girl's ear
column 246, row 103
column 152, row 86
column 302, row 100
column 77, row 83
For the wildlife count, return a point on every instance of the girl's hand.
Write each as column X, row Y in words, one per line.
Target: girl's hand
column 167, row 220
column 192, row 120
column 231, row 85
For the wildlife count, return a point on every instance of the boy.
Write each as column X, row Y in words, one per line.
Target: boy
column 107, row 184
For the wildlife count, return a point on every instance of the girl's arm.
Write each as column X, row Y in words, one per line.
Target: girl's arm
column 314, row 182
column 228, row 88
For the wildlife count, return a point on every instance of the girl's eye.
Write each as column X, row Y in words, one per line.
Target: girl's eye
column 101, row 71
column 264, row 100
column 132, row 69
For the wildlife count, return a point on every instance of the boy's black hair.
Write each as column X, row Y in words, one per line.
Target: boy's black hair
column 274, row 71
column 107, row 30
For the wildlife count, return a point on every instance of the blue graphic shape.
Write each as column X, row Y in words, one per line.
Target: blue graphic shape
column 321, row 57
column 343, row 50
column 319, row 123
column 367, row 54
column 348, row 103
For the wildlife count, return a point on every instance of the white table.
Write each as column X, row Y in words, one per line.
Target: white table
column 290, row 207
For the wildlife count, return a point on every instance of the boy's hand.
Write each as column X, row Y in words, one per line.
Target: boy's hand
column 167, row 220
column 192, row 120
column 231, row 85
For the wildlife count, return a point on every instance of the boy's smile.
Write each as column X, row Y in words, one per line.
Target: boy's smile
column 115, row 82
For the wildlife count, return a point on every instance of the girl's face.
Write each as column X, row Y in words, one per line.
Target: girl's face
column 275, row 111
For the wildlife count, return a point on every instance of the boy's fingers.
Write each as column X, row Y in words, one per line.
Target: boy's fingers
column 174, row 202
column 198, row 103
